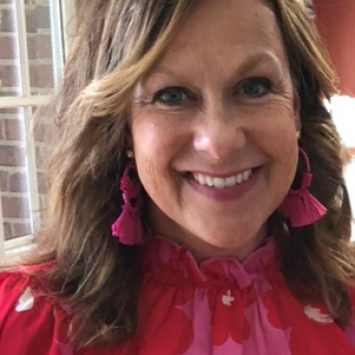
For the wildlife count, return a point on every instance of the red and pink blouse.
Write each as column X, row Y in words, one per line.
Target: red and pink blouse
column 216, row 307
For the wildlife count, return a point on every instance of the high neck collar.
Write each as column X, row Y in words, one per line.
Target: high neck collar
column 174, row 263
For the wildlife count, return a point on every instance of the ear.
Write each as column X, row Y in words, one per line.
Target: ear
column 297, row 109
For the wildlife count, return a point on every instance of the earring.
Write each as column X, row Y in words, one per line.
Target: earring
column 128, row 226
column 299, row 206
column 130, row 154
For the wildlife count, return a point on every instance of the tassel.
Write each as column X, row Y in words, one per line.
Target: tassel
column 128, row 226
column 299, row 206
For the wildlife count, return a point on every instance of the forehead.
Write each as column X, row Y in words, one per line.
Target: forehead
column 222, row 29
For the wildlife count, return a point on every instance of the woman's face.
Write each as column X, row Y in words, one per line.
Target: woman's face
column 214, row 129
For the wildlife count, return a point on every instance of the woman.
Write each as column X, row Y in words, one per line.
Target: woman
column 217, row 110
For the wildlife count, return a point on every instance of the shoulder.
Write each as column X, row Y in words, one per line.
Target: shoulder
column 19, row 289
column 26, row 307
column 13, row 285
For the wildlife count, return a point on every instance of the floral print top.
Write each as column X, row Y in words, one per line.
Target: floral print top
column 217, row 307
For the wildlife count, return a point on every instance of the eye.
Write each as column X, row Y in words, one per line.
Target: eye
column 173, row 96
column 256, row 87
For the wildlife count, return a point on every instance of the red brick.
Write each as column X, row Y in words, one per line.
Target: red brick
column 39, row 46
column 10, row 91
column 40, row 131
column 8, row 48
column 37, row 18
column 9, row 75
column 41, row 76
column 18, row 182
column 11, row 110
column 15, row 207
column 2, row 132
column 8, row 230
column 14, row 129
column 4, row 181
column 21, row 229
column 7, row 23
column 12, row 155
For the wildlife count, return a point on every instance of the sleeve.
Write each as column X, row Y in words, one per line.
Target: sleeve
column 30, row 322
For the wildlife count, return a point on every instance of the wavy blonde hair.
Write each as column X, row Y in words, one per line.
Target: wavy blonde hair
column 117, row 43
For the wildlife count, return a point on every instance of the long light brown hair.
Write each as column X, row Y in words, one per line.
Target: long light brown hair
column 116, row 44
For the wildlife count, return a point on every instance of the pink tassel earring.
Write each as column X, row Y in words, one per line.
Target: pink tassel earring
column 299, row 206
column 128, row 226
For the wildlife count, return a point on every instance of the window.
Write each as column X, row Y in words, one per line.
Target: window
column 31, row 61
column 343, row 111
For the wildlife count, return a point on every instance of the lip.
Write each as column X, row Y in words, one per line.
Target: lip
column 229, row 193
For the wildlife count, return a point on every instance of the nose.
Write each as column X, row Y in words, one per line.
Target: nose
column 219, row 134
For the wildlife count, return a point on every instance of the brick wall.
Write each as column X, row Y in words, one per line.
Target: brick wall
column 14, row 154
column 335, row 21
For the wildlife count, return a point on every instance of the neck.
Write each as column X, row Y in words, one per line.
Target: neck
column 239, row 245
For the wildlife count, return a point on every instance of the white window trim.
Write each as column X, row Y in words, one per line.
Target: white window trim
column 16, row 246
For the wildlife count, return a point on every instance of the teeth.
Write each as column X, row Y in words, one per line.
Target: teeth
column 221, row 183
column 246, row 175
column 201, row 179
column 239, row 178
column 231, row 181
column 209, row 181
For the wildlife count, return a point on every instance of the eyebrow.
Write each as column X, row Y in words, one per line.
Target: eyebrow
column 264, row 57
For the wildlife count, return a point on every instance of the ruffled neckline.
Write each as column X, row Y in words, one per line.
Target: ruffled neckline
column 172, row 263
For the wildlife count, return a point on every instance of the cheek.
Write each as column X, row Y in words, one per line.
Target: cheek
column 154, row 135
column 279, row 127
column 278, row 137
column 283, row 146
column 155, row 148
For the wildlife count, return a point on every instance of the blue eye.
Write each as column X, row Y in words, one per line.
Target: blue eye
column 256, row 87
column 173, row 96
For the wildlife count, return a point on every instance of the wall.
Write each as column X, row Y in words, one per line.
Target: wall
column 335, row 20
column 14, row 185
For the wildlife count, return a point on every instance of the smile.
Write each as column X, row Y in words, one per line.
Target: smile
column 221, row 183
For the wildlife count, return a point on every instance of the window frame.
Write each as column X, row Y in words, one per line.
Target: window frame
column 61, row 14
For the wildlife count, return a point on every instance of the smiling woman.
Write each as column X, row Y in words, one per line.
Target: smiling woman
column 197, row 204
column 237, row 124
